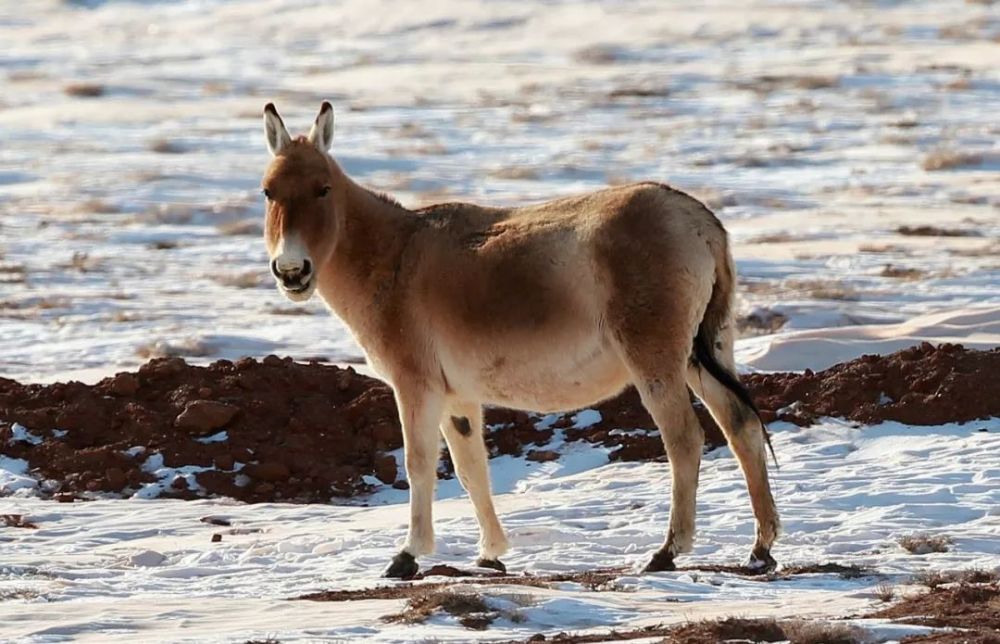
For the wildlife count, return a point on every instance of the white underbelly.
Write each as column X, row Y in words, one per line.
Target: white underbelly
column 560, row 377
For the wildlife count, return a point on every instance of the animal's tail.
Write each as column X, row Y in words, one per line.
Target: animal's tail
column 718, row 315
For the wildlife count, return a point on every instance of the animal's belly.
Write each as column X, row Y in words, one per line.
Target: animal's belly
column 558, row 379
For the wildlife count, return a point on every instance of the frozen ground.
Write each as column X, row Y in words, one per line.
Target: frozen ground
column 122, row 570
column 129, row 227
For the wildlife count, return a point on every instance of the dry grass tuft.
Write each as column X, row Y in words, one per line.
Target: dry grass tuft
column 824, row 289
column 807, row 632
column 773, row 238
column 600, row 54
column 947, row 159
column 932, row 579
column 11, row 273
column 760, row 322
column 884, row 592
column 771, row 82
column 244, row 279
column 934, row 231
column 16, row 521
column 188, row 348
column 922, row 544
column 82, row 262
column 6, row 594
column 935, row 579
column 241, row 227
column 639, row 92
column 97, row 206
column 290, row 310
column 164, row 146
column 768, row 630
column 469, row 608
column 84, row 90
column 902, row 273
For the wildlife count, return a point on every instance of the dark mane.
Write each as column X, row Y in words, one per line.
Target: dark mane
column 384, row 197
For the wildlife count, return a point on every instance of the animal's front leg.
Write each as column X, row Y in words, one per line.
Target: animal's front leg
column 419, row 414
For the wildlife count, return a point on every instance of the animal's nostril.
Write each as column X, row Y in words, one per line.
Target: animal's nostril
column 274, row 268
column 307, row 268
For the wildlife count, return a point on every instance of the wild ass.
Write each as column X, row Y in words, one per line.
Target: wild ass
column 548, row 307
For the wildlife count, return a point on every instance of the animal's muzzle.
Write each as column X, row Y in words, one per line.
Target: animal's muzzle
column 293, row 276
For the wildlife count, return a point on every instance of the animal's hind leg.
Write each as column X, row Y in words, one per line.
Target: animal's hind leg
column 462, row 426
column 745, row 435
column 667, row 401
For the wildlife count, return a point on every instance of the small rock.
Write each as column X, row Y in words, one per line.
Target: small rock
column 245, row 363
column 124, row 384
column 271, row 471
column 386, row 469
column 216, row 521
column 344, row 379
column 263, row 489
column 384, row 433
column 542, row 455
column 65, row 497
column 216, row 538
column 115, row 478
column 205, row 392
column 401, row 484
column 147, row 559
column 179, row 483
column 205, row 415
column 225, row 462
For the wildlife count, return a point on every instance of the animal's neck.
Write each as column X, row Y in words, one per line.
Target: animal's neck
column 371, row 237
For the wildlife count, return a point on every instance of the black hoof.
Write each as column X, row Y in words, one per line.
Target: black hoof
column 495, row 564
column 660, row 562
column 403, row 566
column 761, row 561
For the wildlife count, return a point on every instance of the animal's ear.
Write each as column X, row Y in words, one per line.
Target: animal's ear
column 274, row 128
column 321, row 134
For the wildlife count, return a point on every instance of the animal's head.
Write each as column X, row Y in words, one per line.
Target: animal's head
column 300, row 187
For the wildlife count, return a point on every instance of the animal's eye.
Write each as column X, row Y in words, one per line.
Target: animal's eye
column 324, row 191
column 266, row 193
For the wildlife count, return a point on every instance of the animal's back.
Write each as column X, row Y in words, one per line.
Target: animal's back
column 518, row 301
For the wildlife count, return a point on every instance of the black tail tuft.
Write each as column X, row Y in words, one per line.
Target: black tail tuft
column 705, row 357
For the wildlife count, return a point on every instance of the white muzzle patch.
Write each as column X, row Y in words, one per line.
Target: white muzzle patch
column 293, row 269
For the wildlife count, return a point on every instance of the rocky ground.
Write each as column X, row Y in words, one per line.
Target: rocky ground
column 277, row 430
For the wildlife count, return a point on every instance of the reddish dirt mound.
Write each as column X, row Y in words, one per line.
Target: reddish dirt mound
column 309, row 432
column 303, row 431
column 922, row 385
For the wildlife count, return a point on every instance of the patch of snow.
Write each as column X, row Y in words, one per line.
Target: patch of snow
column 14, row 476
column 220, row 437
column 20, row 433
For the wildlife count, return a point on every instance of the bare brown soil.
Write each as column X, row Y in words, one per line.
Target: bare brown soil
column 311, row 432
column 970, row 605
column 730, row 629
column 597, row 580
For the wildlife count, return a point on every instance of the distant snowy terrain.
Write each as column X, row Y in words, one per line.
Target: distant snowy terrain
column 852, row 150
column 129, row 221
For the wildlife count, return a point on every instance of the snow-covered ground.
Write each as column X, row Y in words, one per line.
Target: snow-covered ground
column 129, row 227
column 146, row 569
